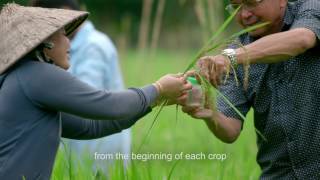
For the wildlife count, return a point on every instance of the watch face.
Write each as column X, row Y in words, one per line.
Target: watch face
column 229, row 52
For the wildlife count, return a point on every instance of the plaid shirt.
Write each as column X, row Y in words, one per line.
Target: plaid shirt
column 285, row 98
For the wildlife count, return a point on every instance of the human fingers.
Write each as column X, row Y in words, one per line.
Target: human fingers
column 186, row 86
column 204, row 66
column 189, row 110
column 178, row 75
column 189, row 73
column 182, row 100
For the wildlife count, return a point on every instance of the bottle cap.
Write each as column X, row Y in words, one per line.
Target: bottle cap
column 193, row 80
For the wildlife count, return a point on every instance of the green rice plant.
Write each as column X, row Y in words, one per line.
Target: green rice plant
column 117, row 171
column 211, row 92
column 135, row 170
column 191, row 137
column 69, row 166
column 172, row 169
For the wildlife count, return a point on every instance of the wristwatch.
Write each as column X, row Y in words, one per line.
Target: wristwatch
column 231, row 54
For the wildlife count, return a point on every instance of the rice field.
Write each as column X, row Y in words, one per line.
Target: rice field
column 183, row 149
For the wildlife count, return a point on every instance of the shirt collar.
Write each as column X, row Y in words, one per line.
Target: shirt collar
column 288, row 17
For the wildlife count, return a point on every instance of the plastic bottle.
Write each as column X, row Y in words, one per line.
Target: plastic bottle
column 195, row 95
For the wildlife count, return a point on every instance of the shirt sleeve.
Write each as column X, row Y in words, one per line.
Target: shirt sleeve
column 235, row 94
column 308, row 16
column 53, row 88
column 75, row 127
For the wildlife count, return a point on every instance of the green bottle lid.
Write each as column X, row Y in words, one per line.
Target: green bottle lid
column 193, row 80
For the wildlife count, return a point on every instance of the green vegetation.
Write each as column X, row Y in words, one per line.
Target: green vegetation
column 121, row 19
column 168, row 137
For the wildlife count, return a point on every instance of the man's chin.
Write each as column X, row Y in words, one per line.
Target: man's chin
column 258, row 33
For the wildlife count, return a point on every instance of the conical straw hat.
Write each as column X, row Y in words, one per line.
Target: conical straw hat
column 24, row 28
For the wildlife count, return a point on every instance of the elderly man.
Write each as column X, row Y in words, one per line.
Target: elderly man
column 283, row 88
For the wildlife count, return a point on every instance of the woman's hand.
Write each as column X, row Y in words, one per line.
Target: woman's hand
column 173, row 87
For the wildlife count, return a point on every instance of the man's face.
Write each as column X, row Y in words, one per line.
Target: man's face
column 253, row 12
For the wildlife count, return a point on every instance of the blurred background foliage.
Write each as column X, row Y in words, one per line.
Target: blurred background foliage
column 164, row 24
column 176, row 29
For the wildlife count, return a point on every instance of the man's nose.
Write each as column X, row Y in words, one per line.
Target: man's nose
column 245, row 13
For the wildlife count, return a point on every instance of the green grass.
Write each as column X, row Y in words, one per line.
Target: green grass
column 187, row 135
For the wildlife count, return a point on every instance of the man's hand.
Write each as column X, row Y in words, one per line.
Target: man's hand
column 225, row 128
column 213, row 68
column 198, row 112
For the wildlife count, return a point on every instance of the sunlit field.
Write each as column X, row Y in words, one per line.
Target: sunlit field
column 176, row 149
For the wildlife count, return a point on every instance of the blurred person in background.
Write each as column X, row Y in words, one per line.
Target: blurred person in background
column 94, row 60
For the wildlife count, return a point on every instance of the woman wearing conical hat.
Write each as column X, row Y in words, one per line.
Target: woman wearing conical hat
column 40, row 101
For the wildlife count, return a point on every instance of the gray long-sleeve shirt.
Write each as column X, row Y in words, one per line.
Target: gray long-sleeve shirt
column 40, row 102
